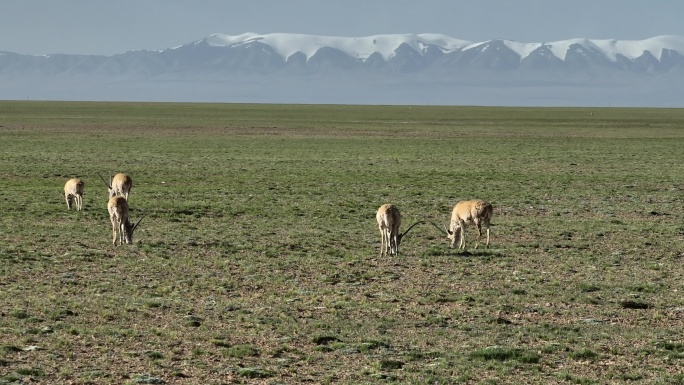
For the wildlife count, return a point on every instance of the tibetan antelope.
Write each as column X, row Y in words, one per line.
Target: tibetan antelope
column 389, row 220
column 477, row 212
column 73, row 191
column 118, row 214
column 119, row 185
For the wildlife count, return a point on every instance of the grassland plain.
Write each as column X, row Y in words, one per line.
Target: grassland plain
column 258, row 260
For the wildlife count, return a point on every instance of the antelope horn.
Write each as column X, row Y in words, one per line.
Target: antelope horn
column 444, row 230
column 139, row 220
column 409, row 229
column 105, row 182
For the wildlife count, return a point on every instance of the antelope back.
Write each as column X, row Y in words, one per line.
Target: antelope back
column 472, row 211
column 388, row 215
column 74, row 187
column 118, row 208
column 122, row 182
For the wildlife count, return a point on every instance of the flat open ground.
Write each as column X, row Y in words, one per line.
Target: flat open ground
column 258, row 258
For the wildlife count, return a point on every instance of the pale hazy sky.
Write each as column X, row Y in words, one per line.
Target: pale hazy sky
column 108, row 27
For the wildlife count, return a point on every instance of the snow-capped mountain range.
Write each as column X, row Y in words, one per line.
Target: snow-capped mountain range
column 407, row 53
column 427, row 68
column 287, row 45
column 362, row 48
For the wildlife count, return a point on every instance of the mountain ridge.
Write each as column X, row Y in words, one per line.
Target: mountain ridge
column 400, row 53
column 362, row 47
column 392, row 69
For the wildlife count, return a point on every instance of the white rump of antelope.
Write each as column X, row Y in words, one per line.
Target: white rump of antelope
column 73, row 191
column 389, row 220
column 477, row 212
column 118, row 214
column 119, row 185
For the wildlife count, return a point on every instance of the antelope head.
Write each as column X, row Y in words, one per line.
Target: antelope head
column 451, row 234
column 128, row 236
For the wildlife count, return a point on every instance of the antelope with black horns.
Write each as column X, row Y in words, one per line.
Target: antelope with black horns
column 389, row 220
column 477, row 212
column 119, row 185
column 119, row 216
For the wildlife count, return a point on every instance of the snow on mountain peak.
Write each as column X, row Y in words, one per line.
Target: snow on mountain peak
column 628, row 48
column 286, row 44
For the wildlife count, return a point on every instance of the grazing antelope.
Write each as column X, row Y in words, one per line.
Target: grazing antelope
column 73, row 191
column 119, row 185
column 389, row 220
column 118, row 214
column 470, row 212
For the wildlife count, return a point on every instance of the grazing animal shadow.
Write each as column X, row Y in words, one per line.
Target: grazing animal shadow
column 480, row 254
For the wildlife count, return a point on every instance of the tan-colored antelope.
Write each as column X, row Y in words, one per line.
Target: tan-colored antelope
column 389, row 220
column 477, row 212
column 119, row 185
column 118, row 214
column 73, row 191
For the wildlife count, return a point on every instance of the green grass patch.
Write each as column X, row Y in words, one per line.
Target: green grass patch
column 497, row 353
column 584, row 354
column 241, row 351
column 255, row 373
column 674, row 350
column 258, row 257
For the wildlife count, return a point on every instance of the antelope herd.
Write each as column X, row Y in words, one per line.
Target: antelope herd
column 477, row 212
column 118, row 188
column 472, row 212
